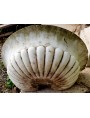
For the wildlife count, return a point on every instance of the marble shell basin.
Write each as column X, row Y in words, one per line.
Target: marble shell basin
column 44, row 55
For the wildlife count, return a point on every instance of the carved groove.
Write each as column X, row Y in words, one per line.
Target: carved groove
column 53, row 65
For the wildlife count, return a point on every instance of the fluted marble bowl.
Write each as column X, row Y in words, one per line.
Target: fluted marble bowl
column 41, row 55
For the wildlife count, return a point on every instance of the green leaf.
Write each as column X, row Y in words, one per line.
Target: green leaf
column 9, row 83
